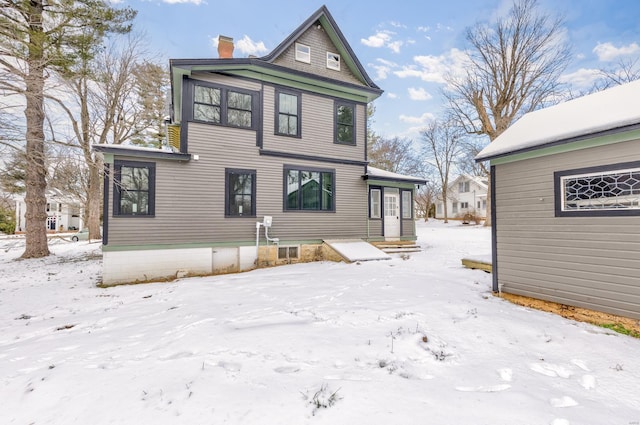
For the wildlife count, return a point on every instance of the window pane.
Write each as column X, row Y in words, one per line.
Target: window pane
column 293, row 186
column 207, row 95
column 134, row 202
column 375, row 203
column 345, row 134
column 206, row 113
column 310, row 185
column 345, row 115
column 327, row 191
column 239, row 101
column 288, row 104
column 406, row 204
column 239, row 118
column 288, row 124
column 602, row 191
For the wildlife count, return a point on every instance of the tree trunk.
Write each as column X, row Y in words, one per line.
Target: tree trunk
column 35, row 181
column 487, row 221
column 94, row 198
column 444, row 205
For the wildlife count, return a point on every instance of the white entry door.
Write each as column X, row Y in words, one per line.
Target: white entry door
column 391, row 216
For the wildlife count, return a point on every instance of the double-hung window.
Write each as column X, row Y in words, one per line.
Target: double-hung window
column 309, row 189
column 134, row 188
column 240, row 189
column 288, row 114
column 223, row 105
column 345, row 126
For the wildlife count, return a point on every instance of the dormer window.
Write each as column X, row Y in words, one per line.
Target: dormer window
column 333, row 61
column 303, row 53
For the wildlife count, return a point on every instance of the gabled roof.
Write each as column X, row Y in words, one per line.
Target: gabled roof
column 325, row 19
column 480, row 181
column 610, row 111
column 265, row 69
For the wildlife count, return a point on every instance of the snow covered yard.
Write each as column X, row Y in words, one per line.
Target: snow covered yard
column 415, row 341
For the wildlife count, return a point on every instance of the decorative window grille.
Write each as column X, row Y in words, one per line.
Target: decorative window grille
column 608, row 190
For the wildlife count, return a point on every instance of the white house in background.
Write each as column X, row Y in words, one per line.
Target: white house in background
column 466, row 194
column 64, row 212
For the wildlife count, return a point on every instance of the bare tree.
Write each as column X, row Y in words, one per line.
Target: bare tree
column 106, row 90
column 426, row 198
column 397, row 155
column 514, row 67
column 624, row 71
column 442, row 143
column 37, row 37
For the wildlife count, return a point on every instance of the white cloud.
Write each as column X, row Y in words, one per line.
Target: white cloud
column 582, row 78
column 377, row 40
column 431, row 68
column 383, row 68
column 249, row 47
column 422, row 119
column 382, row 39
column 424, row 29
column 419, row 94
column 392, row 95
column 607, row 52
column 397, row 24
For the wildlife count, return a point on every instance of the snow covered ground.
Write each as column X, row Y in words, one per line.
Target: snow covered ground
column 403, row 341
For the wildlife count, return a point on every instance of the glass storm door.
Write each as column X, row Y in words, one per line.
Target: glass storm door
column 391, row 216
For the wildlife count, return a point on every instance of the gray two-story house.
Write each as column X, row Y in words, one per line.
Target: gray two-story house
column 281, row 136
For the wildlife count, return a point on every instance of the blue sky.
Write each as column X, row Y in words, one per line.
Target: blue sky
column 405, row 46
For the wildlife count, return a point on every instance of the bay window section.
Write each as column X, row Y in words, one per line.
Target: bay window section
column 223, row 105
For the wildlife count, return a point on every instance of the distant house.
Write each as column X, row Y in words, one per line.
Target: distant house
column 566, row 203
column 466, row 195
column 279, row 140
column 64, row 212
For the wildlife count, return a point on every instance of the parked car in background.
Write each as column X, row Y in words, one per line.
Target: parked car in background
column 81, row 235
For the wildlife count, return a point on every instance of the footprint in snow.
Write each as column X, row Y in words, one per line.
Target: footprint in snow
column 230, row 366
column 287, row 369
column 588, row 382
column 564, row 401
column 550, row 370
column 485, row 388
column 506, row 374
column 581, row 364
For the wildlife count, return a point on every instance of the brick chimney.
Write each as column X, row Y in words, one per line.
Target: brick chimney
column 225, row 47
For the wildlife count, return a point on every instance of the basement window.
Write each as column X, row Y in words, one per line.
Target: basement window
column 287, row 252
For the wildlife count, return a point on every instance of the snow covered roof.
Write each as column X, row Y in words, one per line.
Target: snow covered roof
column 373, row 172
column 580, row 118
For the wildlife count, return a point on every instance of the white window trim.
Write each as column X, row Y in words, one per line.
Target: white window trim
column 331, row 63
column 302, row 56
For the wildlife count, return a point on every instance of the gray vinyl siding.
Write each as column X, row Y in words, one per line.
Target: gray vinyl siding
column 190, row 197
column 320, row 44
column 408, row 228
column 317, row 124
column 591, row 262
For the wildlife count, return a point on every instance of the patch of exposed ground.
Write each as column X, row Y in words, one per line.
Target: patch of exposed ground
column 577, row 313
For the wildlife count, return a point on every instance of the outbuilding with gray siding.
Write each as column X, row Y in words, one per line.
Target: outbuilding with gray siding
column 566, row 203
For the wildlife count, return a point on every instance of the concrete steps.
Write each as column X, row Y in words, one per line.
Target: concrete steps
column 398, row 248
